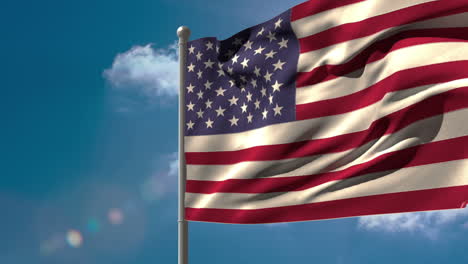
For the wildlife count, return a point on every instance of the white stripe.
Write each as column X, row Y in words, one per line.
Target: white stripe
column 442, row 127
column 438, row 175
column 314, row 24
column 317, row 128
column 345, row 51
column 401, row 59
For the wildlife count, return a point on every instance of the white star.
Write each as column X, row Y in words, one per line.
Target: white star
column 191, row 49
column 199, row 55
column 267, row 76
column 190, row 106
column 283, row 43
column 234, row 59
column 260, row 32
column 217, row 49
column 244, row 108
column 200, row 113
column 199, row 74
column 277, row 110
column 242, row 89
column 208, row 85
column 270, row 54
column 220, row 111
column 271, row 36
column 190, row 88
column 220, row 91
column 263, row 92
column 265, row 113
column 233, row 120
column 208, row 103
column 229, row 53
column 276, row 86
column 243, row 79
column 257, row 71
column 278, row 23
column 220, row 65
column 232, row 83
column 209, row 123
column 279, row 65
column 200, row 95
column 257, row 104
column 229, row 70
column 270, row 98
column 190, row 125
column 209, row 45
column 245, row 63
column 209, row 64
column 248, row 45
column 249, row 118
column 259, row 50
column 233, row 100
column 254, row 83
column 221, row 73
column 237, row 41
column 191, row 67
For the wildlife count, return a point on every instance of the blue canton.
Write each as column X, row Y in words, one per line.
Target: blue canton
column 244, row 82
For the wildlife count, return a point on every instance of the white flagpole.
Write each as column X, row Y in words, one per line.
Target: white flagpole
column 184, row 34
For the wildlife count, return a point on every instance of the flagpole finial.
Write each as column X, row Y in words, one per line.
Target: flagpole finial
column 183, row 32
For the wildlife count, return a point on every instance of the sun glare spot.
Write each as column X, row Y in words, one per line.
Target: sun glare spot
column 74, row 238
column 115, row 216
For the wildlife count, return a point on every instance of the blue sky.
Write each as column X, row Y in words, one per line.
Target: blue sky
column 89, row 135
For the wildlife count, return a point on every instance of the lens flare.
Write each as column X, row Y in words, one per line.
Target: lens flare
column 74, row 238
column 53, row 244
column 93, row 225
column 115, row 216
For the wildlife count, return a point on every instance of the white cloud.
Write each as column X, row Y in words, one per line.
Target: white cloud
column 275, row 225
column 427, row 223
column 151, row 72
column 174, row 166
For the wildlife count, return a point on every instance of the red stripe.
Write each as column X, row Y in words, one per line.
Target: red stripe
column 423, row 200
column 379, row 50
column 440, row 151
column 435, row 105
column 405, row 79
column 313, row 7
column 375, row 24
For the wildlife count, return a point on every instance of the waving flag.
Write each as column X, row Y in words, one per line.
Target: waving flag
column 331, row 109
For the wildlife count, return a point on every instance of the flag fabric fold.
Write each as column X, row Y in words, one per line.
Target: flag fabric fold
column 331, row 109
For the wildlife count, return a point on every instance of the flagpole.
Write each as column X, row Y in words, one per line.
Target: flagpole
column 184, row 33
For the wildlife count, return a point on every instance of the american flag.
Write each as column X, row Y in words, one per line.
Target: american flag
column 331, row 109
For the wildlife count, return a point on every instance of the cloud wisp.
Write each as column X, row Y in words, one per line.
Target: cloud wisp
column 148, row 71
column 162, row 182
column 429, row 224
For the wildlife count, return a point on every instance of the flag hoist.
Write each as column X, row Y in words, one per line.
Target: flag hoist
column 184, row 34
